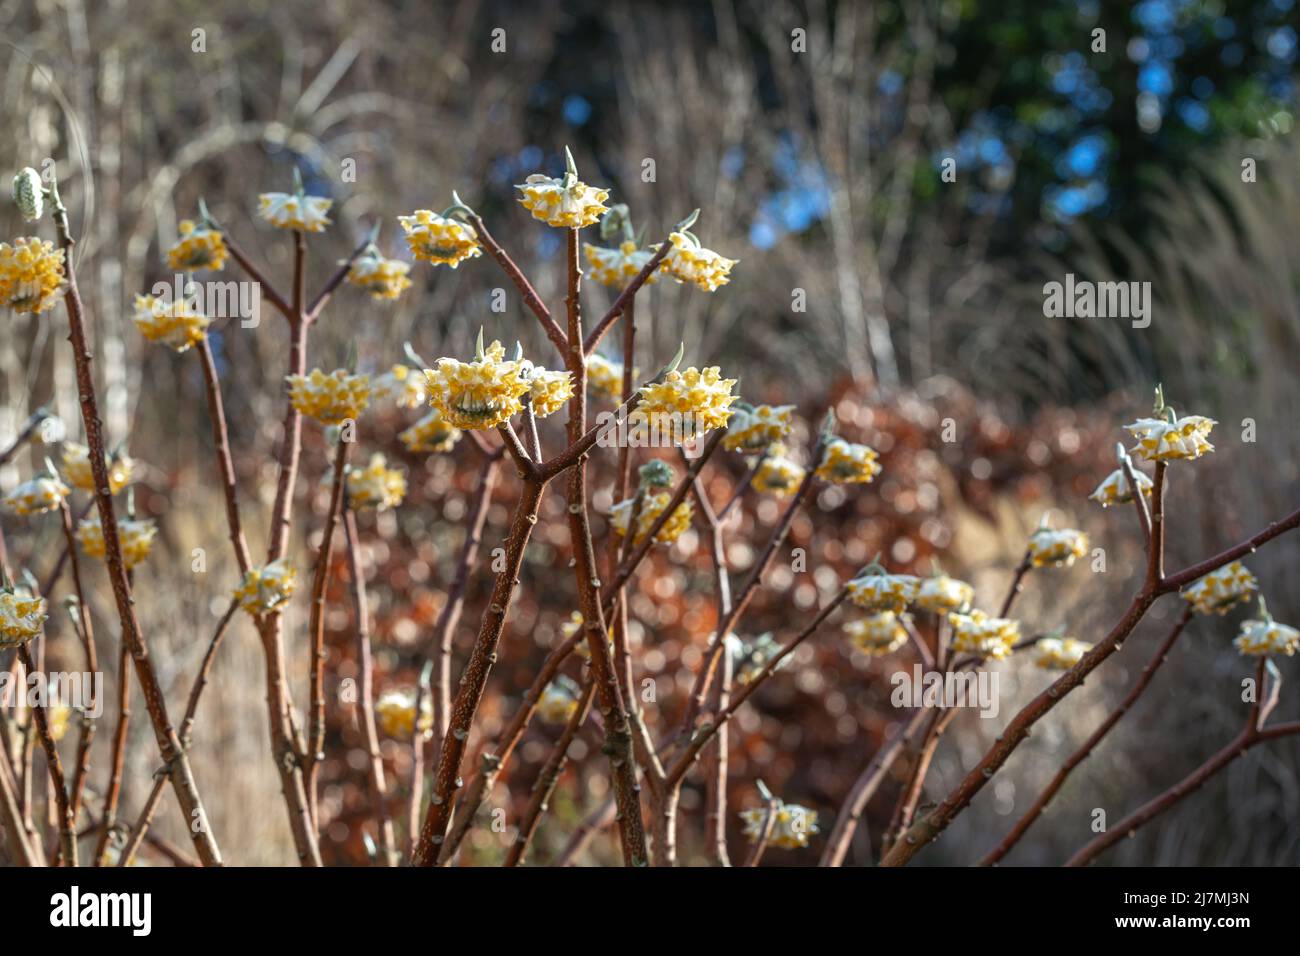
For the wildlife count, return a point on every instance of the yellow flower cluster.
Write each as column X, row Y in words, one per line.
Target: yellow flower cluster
column 652, row 506
column 1184, row 438
column 1049, row 547
column 76, row 466
column 777, row 474
column 941, row 594
column 617, row 267
column 384, row 279
column 688, row 261
column 605, row 377
column 197, row 248
column 844, row 463
column 753, row 430
column 977, row 633
column 401, row 386
column 58, row 714
column 295, row 211
column 264, row 589
column 331, row 398
column 1115, row 490
column 700, row 399
column 432, row 433
column 135, row 537
column 175, row 324
column 480, row 394
column 557, row 703
column 376, row 486
column 877, row 634
column 877, row 591
column 548, row 391
column 1221, row 589
column 571, row 206
column 1267, row 637
column 794, row 825
column 1059, row 653
column 31, row 275
column 21, row 616
column 43, row 493
column 439, row 239
column 395, row 710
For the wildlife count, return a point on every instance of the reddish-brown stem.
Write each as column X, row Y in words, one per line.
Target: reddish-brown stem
column 86, row 633
column 67, row 826
column 739, row 492
column 26, row 432
column 336, row 278
column 267, row 290
column 624, row 299
column 755, row 855
column 1017, row 584
column 1156, row 546
column 20, row 849
column 1139, row 500
column 117, row 763
column 911, row 795
column 530, row 296
column 221, row 443
column 586, row 831
column 1186, row 576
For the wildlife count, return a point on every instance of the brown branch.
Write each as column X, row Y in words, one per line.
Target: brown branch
column 1017, row 584
column 755, row 855
column 267, row 289
column 86, row 634
column 26, row 432
column 67, row 826
column 530, row 296
column 624, row 299
column 117, row 762
column 12, row 816
column 336, row 278
column 226, row 465
column 1175, row 582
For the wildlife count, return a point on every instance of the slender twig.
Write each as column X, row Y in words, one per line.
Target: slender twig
column 226, row 465
column 624, row 298
column 268, row 291
column 15, row 832
column 117, row 762
column 597, row 820
column 86, row 634
column 530, row 296
column 755, row 855
column 67, row 826
column 336, row 278
column 26, row 432
column 1017, row 584
column 738, row 493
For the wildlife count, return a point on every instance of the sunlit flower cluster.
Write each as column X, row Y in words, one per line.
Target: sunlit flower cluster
column 1221, row 589
column 877, row 634
column 432, row 433
column 616, row 267
column 844, row 463
column 565, row 203
column 295, row 211
column 1059, row 653
column 175, row 324
column 401, row 385
column 21, row 616
column 548, row 391
column 877, row 591
column 605, row 377
column 754, row 429
column 1115, row 490
column 76, row 468
column 977, row 633
column 266, row 588
column 688, row 261
column 480, row 394
column 134, row 535
column 790, row 831
column 652, row 506
column 1162, row 440
column 199, row 247
column 331, row 398
column 376, row 486
column 1052, row 547
column 941, row 594
column 777, row 474
column 31, row 275
column 1261, row 637
column 439, row 239
column 558, row 702
column 37, row 496
column 395, row 712
column 384, row 279
column 699, row 398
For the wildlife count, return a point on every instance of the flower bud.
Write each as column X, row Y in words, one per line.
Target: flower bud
column 29, row 194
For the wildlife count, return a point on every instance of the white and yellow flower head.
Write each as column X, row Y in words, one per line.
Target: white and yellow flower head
column 605, row 377
column 572, row 626
column 59, row 715
column 567, row 202
column 617, row 267
column 395, row 711
column 558, row 702
column 266, row 588
column 652, row 506
column 777, row 474
column 37, row 496
column 876, row 591
column 754, row 429
column 76, row 468
column 432, row 433
column 376, row 486
column 31, row 275
column 331, row 398
column 1262, row 636
column 699, row 399
column 295, row 210
column 134, row 536
column 941, row 594
column 401, row 385
column 1221, row 589
column 1054, row 548
column 384, row 279
column 688, row 261
column 794, row 825
column 440, row 240
column 1170, row 439
column 877, row 634
column 977, row 633
column 1059, row 653
column 480, row 394
column 21, row 616
column 548, row 391
column 750, row 655
column 1115, row 490
column 199, row 247
column 175, row 324
column 845, row 463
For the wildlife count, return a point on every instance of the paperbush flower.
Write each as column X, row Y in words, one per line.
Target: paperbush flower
column 21, row 616
column 558, row 702
column 688, row 261
column 548, row 391
column 480, row 394
column 1161, row 440
column 174, row 324
column 401, row 385
column 605, row 377
column 877, row 634
column 617, row 267
column 777, row 474
column 29, row 194
column 376, row 486
column 384, row 279
column 652, row 505
column 563, row 203
column 439, row 239
column 76, row 467
column 794, row 825
column 1049, row 547
column 754, row 429
column 134, row 536
column 697, row 400
column 295, row 211
column 1261, row 637
column 1221, row 589
column 977, row 633
column 331, row 398
column 750, row 655
column 1115, row 490
column 43, row 493
column 432, row 433
column 942, row 594
column 395, row 711
column 31, row 275
column 877, row 591
column 1059, row 653
column 844, row 463
column 264, row 589
column 199, row 247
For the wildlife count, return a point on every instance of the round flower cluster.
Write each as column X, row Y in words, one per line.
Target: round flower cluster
column 21, row 616
column 794, row 825
column 688, row 261
column 1183, row 438
column 400, row 385
column 548, row 391
column 750, row 656
column 43, row 493
column 384, row 279
column 134, row 536
column 175, row 324
column 264, row 589
column 941, row 594
column 480, row 394
column 877, row 634
column 699, row 398
column 1049, row 547
column 1260, row 637
column 616, row 267
column 432, row 433
column 376, row 486
column 1059, row 653
column 1115, row 490
column 777, row 474
column 844, row 463
column 1221, row 589
column 31, row 275
column 755, row 429
column 332, row 398
column 652, row 506
column 295, row 211
column 877, row 591
column 395, row 710
column 558, row 702
column 439, row 239
column 566, row 203
column 977, row 633
column 605, row 377
column 76, row 467
column 199, row 247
